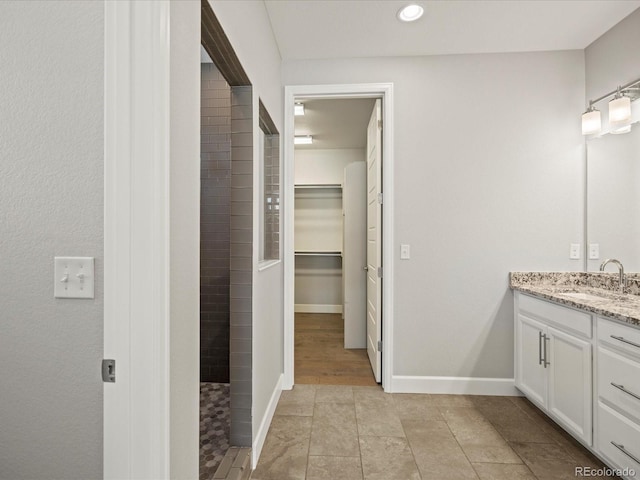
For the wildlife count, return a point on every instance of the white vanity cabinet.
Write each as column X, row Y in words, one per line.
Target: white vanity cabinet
column 553, row 357
column 618, row 395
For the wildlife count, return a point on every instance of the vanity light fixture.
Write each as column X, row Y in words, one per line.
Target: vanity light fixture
column 298, row 109
column 410, row 13
column 619, row 110
column 302, row 140
column 591, row 121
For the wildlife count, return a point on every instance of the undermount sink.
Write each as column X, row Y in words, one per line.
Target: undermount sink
column 585, row 296
column 591, row 295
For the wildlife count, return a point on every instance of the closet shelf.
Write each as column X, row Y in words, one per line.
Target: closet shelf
column 318, row 253
column 319, row 185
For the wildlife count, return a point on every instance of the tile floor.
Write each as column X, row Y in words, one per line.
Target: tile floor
column 215, row 421
column 322, row 432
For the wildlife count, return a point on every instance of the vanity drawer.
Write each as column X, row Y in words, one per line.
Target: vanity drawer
column 619, row 440
column 566, row 318
column 619, row 381
column 622, row 337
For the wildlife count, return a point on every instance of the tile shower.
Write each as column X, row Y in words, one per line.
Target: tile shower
column 215, row 212
column 226, row 242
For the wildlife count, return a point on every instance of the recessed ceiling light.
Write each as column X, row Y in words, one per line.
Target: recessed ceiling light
column 410, row 13
column 298, row 109
column 303, row 140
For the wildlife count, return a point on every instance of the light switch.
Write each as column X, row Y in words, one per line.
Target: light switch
column 574, row 251
column 74, row 277
column 594, row 251
column 405, row 252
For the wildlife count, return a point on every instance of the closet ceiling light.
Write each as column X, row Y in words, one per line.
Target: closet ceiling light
column 303, row 140
column 410, row 13
column 298, row 109
column 591, row 121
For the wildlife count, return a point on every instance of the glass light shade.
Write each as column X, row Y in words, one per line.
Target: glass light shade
column 303, row 140
column 619, row 112
column 591, row 122
column 298, row 109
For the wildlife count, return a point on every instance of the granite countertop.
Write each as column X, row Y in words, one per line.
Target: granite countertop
column 593, row 292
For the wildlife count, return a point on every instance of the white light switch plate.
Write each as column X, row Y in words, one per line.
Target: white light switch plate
column 594, row 251
column 405, row 252
column 574, row 251
column 74, row 277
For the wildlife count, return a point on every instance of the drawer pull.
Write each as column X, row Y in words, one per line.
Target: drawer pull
column 540, row 348
column 544, row 341
column 621, row 388
column 624, row 450
column 624, row 340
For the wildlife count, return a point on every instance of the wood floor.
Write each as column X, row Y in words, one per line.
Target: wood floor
column 320, row 356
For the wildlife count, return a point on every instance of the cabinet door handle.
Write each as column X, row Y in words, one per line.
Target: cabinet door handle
column 540, row 348
column 624, row 450
column 624, row 340
column 544, row 341
column 621, row 387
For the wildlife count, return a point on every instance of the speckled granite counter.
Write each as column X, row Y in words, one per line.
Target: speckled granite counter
column 593, row 292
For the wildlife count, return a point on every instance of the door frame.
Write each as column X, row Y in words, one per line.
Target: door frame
column 383, row 91
column 136, row 239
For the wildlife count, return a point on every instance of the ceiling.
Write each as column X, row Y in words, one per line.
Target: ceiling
column 314, row 29
column 335, row 123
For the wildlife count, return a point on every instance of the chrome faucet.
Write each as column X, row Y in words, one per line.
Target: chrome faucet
column 623, row 278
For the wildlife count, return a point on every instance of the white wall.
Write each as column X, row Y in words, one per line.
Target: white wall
column 185, row 239
column 51, row 204
column 488, row 179
column 613, row 213
column 324, row 166
column 247, row 25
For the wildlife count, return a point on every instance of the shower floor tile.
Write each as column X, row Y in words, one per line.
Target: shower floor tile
column 215, row 419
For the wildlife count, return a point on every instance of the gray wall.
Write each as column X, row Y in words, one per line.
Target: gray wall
column 488, row 179
column 614, row 58
column 246, row 23
column 51, row 204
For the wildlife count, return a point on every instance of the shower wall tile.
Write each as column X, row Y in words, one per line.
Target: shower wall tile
column 241, row 263
column 215, row 174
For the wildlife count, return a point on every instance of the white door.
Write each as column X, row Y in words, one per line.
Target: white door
column 569, row 394
column 354, row 255
column 374, row 240
column 531, row 376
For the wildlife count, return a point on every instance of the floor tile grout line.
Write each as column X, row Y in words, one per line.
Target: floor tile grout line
column 505, row 440
column 458, row 442
column 413, row 454
column 355, row 413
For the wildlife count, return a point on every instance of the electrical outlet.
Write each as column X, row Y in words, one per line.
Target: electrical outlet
column 574, row 251
column 594, row 251
column 405, row 252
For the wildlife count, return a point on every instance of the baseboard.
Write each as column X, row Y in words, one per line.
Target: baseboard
column 454, row 385
column 261, row 435
column 311, row 308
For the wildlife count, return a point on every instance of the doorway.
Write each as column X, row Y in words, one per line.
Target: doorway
column 330, row 237
column 315, row 286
